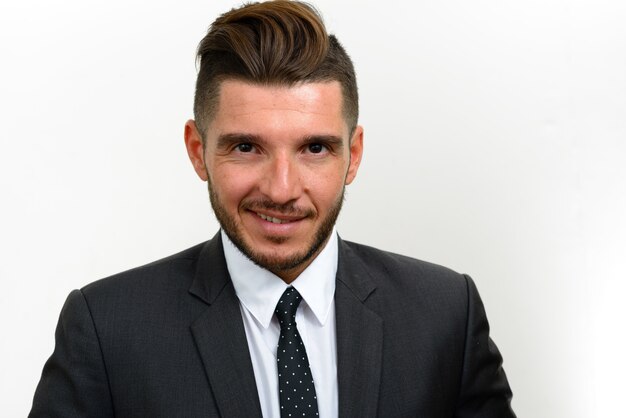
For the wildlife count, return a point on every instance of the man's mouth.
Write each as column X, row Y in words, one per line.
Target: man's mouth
column 273, row 220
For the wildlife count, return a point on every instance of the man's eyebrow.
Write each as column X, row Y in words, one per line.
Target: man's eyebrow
column 335, row 141
column 227, row 140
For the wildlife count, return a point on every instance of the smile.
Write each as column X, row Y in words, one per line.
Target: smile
column 273, row 220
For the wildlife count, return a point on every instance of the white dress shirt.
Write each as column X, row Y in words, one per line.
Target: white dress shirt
column 258, row 291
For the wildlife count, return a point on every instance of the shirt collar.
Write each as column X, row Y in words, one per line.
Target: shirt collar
column 259, row 289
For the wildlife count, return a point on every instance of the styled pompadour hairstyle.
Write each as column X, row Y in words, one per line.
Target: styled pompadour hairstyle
column 277, row 42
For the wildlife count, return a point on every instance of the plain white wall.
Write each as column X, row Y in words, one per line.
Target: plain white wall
column 495, row 145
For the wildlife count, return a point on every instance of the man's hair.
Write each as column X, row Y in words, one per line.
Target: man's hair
column 277, row 42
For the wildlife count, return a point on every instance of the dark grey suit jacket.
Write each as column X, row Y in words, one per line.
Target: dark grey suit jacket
column 167, row 340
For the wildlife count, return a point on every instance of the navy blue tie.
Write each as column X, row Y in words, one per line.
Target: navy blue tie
column 295, row 381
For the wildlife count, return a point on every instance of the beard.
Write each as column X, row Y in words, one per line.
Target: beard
column 275, row 263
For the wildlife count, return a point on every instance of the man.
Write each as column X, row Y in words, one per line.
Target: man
column 275, row 316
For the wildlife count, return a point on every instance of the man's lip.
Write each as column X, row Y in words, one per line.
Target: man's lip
column 277, row 217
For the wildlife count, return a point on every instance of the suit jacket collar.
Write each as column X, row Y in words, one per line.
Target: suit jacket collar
column 220, row 337
column 351, row 271
column 211, row 276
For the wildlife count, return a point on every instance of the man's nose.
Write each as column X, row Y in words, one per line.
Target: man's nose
column 281, row 179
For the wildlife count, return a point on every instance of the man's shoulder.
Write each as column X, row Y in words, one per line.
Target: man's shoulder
column 397, row 286
column 176, row 270
column 378, row 258
column 390, row 268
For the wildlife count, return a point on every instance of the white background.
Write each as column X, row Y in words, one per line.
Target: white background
column 495, row 145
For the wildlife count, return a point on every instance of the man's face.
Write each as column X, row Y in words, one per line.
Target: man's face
column 277, row 159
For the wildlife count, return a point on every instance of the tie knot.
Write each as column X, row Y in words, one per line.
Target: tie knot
column 287, row 307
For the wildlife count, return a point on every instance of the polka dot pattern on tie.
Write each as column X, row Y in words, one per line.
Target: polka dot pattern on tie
column 296, row 389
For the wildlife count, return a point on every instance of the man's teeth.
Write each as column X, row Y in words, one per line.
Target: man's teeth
column 273, row 220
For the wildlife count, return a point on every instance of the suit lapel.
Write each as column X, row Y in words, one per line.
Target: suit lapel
column 220, row 337
column 359, row 338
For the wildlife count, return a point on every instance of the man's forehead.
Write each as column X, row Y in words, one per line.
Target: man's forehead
column 244, row 91
column 242, row 101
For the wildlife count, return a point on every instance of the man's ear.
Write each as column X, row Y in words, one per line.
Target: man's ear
column 356, row 152
column 195, row 149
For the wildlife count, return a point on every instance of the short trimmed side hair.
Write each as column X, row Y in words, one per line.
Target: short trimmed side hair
column 277, row 42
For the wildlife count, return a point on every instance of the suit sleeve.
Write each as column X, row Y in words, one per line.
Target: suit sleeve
column 485, row 391
column 74, row 381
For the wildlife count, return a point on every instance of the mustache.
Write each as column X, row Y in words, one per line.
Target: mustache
column 288, row 208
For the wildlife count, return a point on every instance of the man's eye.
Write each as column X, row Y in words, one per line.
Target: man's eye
column 316, row 148
column 245, row 147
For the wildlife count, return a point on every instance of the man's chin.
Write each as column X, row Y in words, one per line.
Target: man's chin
column 280, row 262
column 278, row 240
